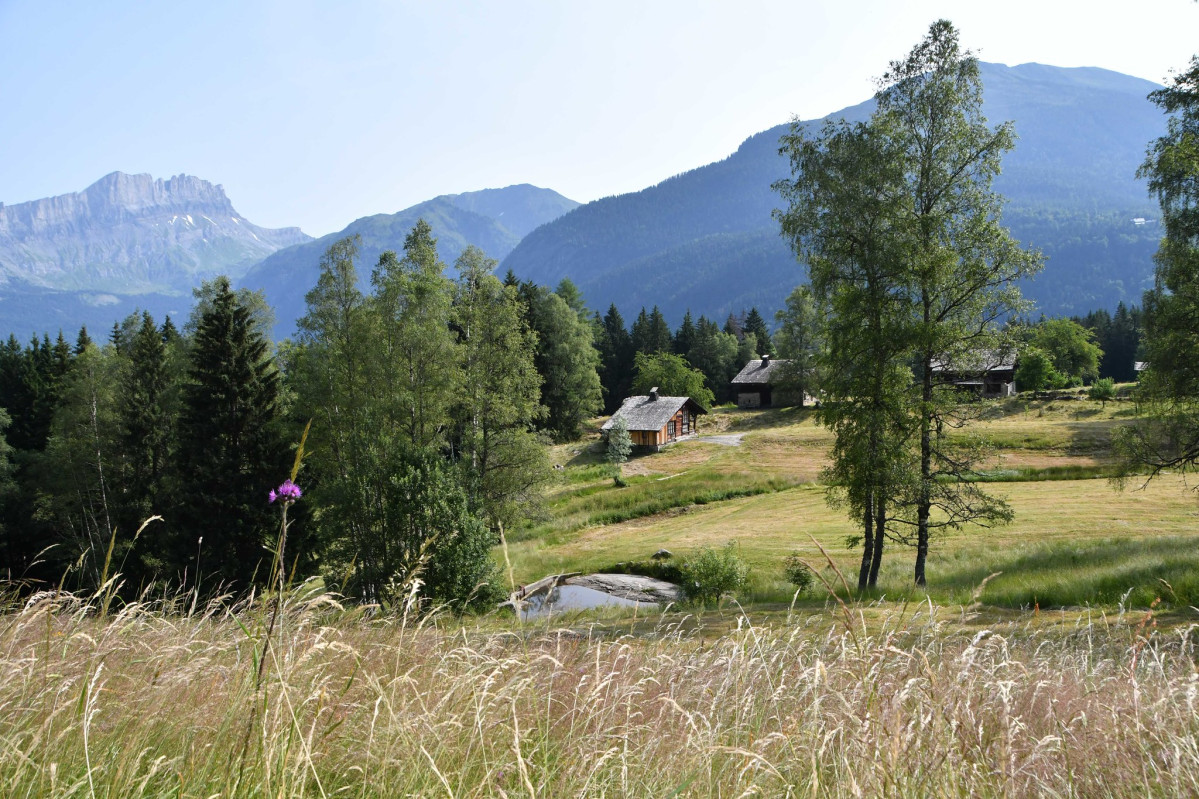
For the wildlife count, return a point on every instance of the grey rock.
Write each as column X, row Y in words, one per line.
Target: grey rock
column 633, row 587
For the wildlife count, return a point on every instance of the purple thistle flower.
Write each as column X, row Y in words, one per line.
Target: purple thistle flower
column 289, row 492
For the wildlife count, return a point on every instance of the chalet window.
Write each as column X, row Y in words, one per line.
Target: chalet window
column 686, row 423
column 670, row 428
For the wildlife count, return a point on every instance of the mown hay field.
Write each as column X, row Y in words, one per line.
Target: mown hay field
column 1076, row 538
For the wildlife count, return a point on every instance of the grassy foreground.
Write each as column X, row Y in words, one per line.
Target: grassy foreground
column 862, row 701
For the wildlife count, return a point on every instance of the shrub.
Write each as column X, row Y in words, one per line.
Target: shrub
column 1103, row 389
column 797, row 572
column 710, row 574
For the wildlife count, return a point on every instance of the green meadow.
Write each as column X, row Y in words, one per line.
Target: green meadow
column 1077, row 538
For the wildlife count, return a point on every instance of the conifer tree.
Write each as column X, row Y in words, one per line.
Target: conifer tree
column 146, row 426
column 715, row 353
column 684, row 337
column 754, row 323
column 230, row 449
column 616, row 359
column 82, row 340
column 659, row 332
column 640, row 332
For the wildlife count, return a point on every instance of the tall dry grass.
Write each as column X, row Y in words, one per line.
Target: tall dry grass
column 164, row 701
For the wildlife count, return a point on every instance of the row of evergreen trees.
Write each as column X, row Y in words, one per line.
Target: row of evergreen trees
column 154, row 423
column 718, row 353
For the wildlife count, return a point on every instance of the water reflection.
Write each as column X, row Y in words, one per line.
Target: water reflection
column 575, row 597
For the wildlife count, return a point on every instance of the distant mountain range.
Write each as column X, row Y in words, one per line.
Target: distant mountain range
column 126, row 241
column 705, row 240
column 494, row 220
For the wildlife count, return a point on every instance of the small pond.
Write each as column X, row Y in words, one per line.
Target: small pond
column 575, row 597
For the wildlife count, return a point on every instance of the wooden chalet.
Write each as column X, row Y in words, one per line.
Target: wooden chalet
column 655, row 421
column 752, row 385
column 987, row 374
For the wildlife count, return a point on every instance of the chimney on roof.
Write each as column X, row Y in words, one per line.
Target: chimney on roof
column 766, row 359
column 653, row 393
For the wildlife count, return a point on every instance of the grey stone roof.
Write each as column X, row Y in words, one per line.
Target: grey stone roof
column 758, row 372
column 645, row 413
column 978, row 362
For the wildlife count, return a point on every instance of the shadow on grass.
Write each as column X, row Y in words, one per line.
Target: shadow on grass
column 1104, row 572
column 743, row 419
column 1090, row 437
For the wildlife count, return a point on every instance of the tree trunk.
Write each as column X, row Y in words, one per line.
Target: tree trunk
column 880, row 525
column 867, row 545
column 924, row 502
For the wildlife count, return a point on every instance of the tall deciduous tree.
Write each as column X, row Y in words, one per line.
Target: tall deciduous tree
column 386, row 379
column 497, row 405
column 965, row 264
column 1168, row 437
column 412, row 301
column 7, row 489
column 799, row 341
column 928, row 158
column 672, row 376
column 1070, row 346
column 845, row 193
column 78, row 473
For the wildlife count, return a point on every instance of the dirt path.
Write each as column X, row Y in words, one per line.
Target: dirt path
column 726, row 440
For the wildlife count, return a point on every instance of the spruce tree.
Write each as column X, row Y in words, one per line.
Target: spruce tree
column 754, row 323
column 616, row 359
column 659, row 332
column 230, row 451
column 641, row 334
column 684, row 337
column 145, row 433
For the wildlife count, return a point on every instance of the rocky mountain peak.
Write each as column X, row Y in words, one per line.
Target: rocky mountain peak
column 134, row 193
column 132, row 234
column 114, row 198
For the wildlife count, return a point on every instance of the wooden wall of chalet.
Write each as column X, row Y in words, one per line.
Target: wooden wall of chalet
column 658, row 438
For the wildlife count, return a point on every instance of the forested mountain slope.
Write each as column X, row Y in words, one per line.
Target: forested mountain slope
column 493, row 220
column 705, row 239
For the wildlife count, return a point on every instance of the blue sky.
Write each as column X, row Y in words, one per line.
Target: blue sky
column 314, row 114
